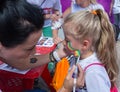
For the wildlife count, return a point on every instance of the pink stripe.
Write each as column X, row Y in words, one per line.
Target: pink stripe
column 93, row 64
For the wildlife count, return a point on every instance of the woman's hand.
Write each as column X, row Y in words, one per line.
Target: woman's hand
column 80, row 79
column 61, row 50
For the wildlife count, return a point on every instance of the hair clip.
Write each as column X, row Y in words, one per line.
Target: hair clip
column 94, row 12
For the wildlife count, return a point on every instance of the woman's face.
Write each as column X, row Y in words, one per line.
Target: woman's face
column 22, row 51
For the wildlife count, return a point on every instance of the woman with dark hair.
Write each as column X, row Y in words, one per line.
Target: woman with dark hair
column 20, row 29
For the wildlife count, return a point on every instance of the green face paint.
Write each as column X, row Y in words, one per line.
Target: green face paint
column 75, row 51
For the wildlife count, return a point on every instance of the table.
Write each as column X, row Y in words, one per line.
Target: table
column 14, row 82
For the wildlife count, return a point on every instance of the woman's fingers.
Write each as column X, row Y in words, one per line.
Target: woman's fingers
column 71, row 71
column 68, row 82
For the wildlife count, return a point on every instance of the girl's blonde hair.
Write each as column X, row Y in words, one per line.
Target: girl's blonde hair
column 96, row 26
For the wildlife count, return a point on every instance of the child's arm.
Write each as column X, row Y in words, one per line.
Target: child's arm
column 55, row 35
column 111, row 7
column 67, row 12
column 56, row 25
column 56, row 38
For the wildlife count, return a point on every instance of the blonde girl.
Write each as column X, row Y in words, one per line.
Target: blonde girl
column 92, row 34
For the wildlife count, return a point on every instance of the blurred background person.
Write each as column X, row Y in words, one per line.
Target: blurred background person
column 52, row 10
column 108, row 6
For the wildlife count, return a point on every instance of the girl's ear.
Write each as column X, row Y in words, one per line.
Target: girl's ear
column 86, row 45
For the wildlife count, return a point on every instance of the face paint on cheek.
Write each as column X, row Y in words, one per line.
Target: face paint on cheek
column 75, row 51
column 33, row 60
column 70, row 47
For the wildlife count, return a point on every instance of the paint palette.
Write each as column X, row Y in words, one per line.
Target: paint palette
column 45, row 42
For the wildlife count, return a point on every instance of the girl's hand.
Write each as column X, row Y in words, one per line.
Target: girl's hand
column 54, row 17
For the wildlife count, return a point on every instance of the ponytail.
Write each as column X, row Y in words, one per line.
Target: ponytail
column 106, row 50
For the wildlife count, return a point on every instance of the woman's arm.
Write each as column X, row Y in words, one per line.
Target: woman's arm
column 33, row 61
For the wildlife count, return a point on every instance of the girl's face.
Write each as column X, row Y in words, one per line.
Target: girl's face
column 83, row 45
column 79, row 2
column 21, row 52
column 70, row 41
column 72, row 45
column 82, row 48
